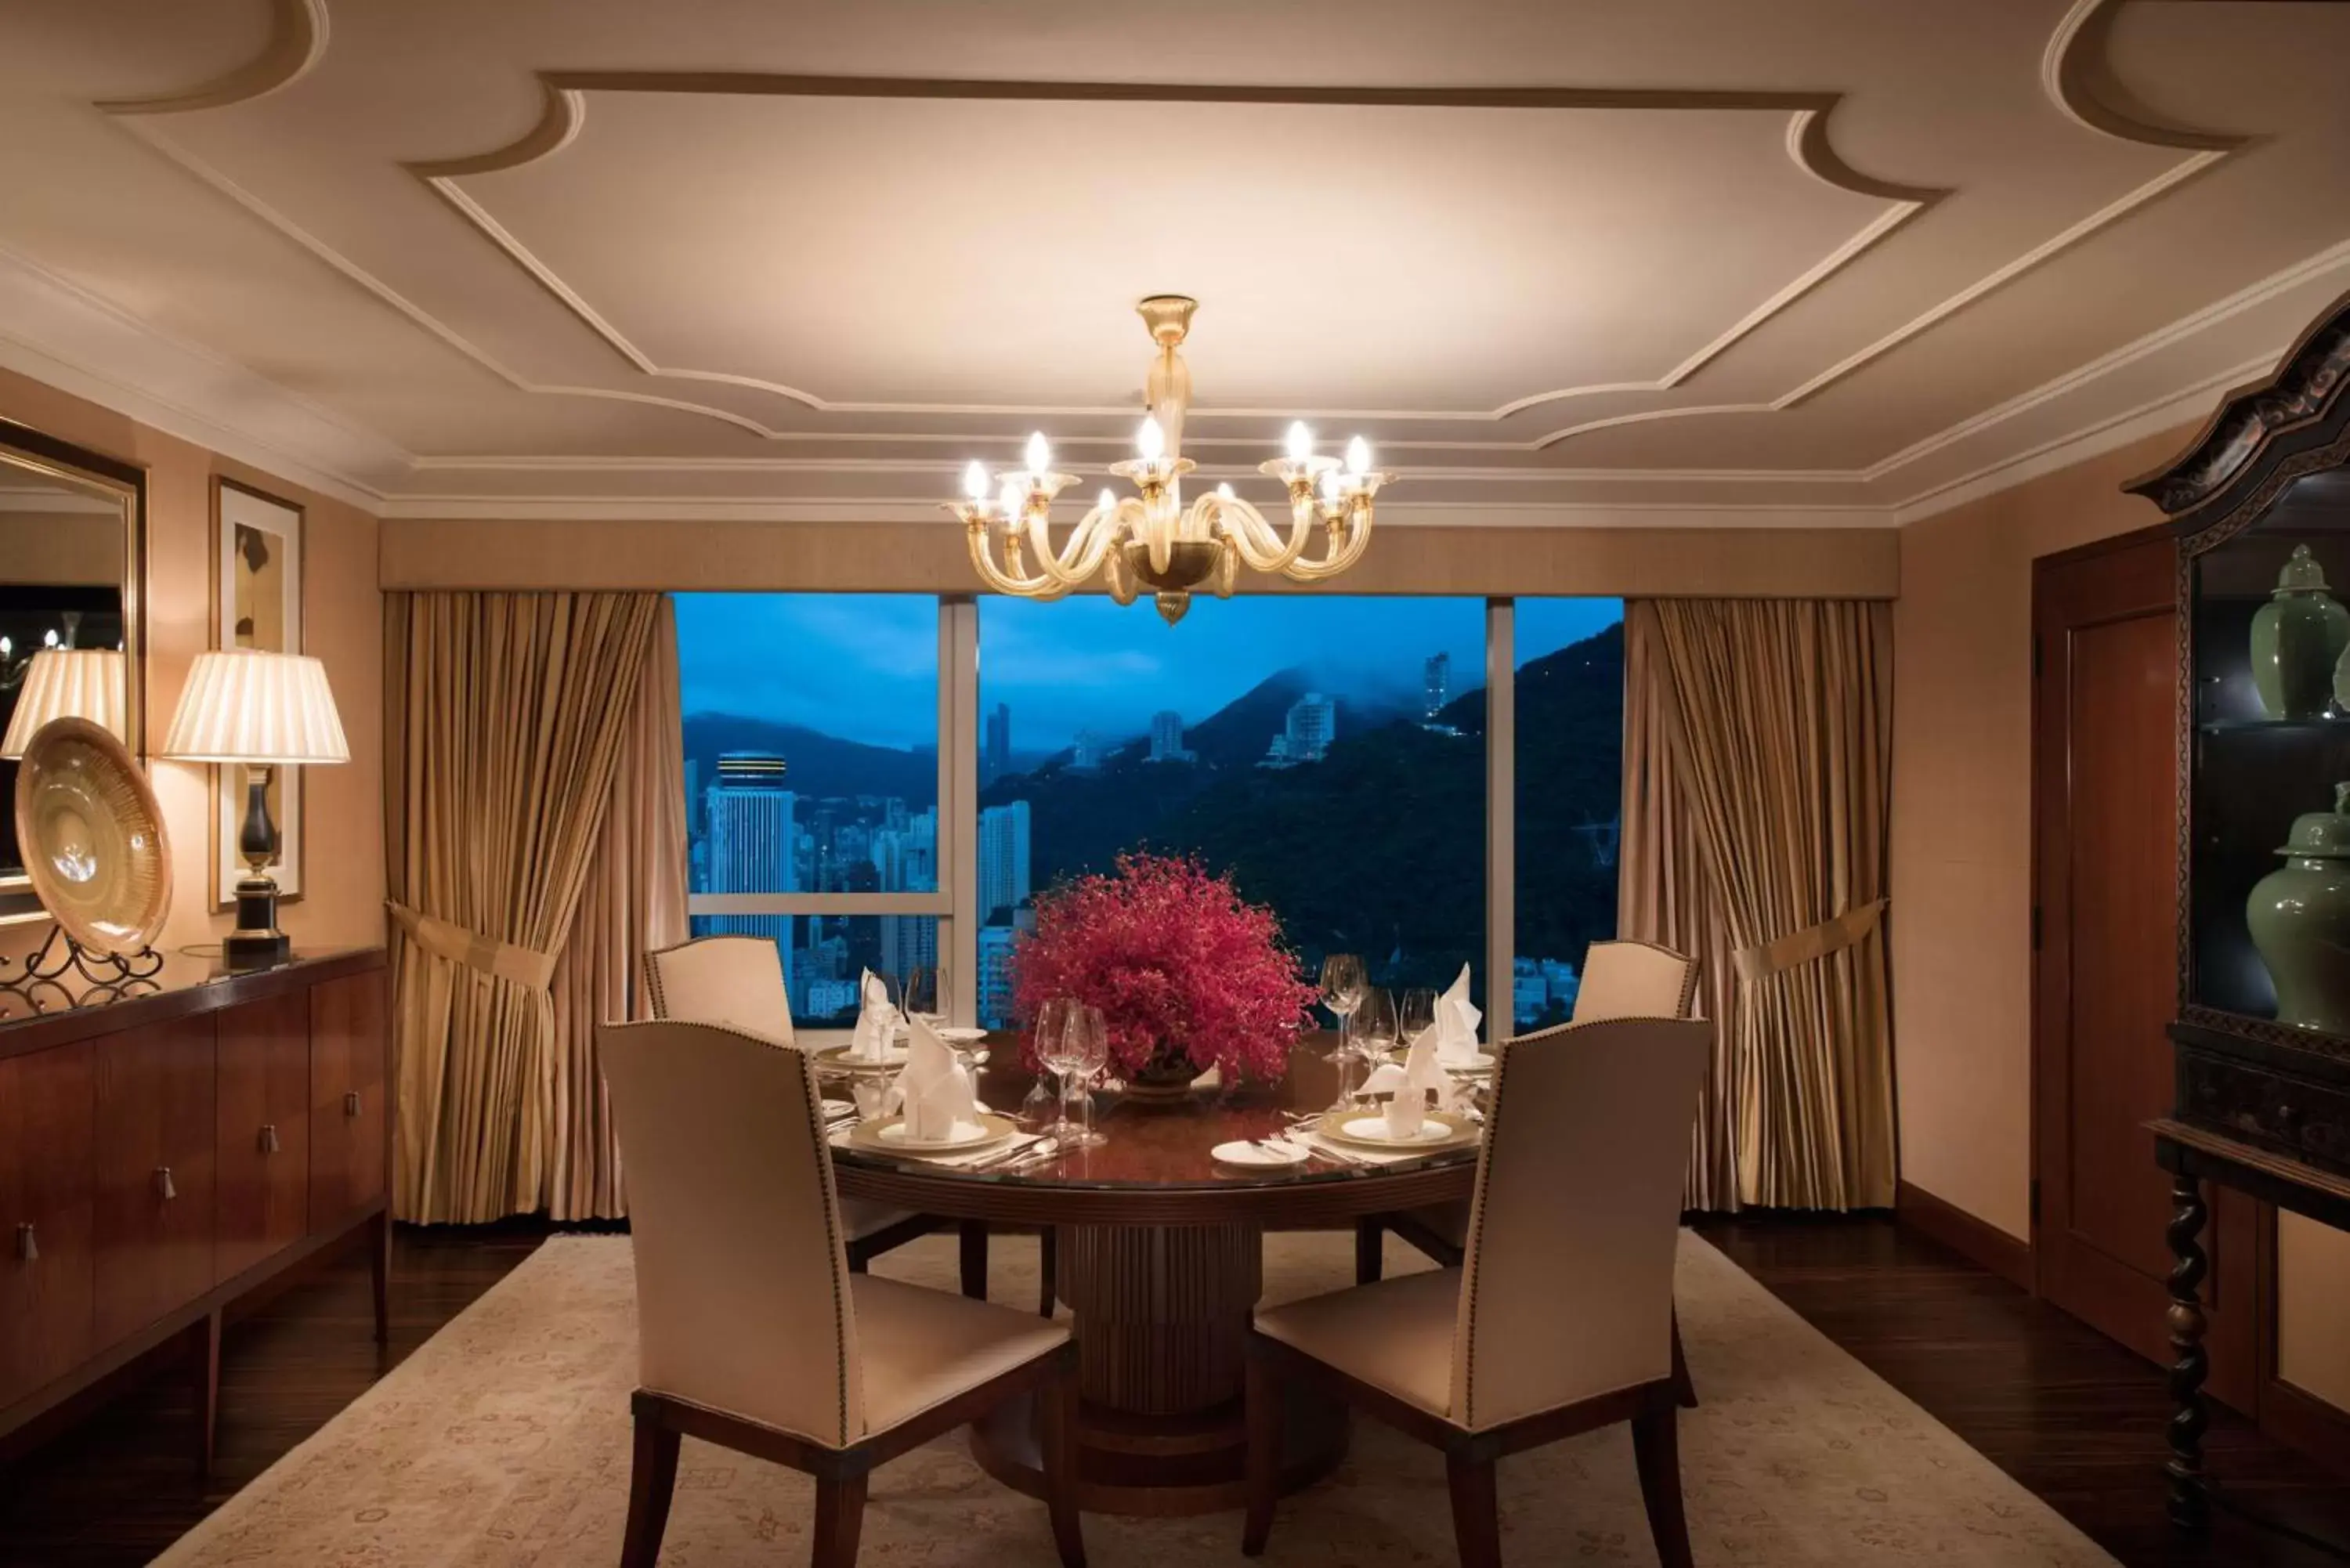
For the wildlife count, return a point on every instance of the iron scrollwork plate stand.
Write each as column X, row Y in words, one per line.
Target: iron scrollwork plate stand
column 59, row 955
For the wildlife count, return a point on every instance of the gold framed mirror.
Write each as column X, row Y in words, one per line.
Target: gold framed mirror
column 73, row 545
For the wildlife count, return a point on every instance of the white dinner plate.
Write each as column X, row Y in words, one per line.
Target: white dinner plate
column 1258, row 1156
column 1482, row 1062
column 836, row 1058
column 959, row 1034
column 888, row 1134
column 1442, row 1130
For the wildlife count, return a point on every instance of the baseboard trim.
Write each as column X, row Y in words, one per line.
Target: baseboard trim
column 2300, row 1419
column 1974, row 1239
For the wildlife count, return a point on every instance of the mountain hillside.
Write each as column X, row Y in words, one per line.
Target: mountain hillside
column 818, row 763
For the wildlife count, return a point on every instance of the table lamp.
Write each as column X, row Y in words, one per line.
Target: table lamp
column 68, row 683
column 266, row 710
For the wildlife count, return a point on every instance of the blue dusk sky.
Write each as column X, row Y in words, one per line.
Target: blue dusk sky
column 865, row 665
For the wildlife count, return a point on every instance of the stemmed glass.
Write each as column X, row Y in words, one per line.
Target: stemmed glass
column 1052, row 1027
column 1417, row 1015
column 1089, row 1053
column 1342, row 993
column 925, row 994
column 1373, row 1036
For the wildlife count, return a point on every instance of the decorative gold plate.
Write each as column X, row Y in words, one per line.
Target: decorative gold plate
column 1457, row 1130
column 93, row 838
column 990, row 1130
column 837, row 1059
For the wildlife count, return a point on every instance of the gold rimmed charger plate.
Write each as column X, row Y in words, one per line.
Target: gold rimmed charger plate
column 92, row 837
column 837, row 1059
column 875, row 1136
column 1457, row 1130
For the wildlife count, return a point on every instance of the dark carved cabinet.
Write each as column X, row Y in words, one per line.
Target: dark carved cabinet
column 2260, row 506
column 167, row 1146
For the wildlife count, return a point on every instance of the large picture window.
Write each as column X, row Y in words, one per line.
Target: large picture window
column 1569, row 696
column 1328, row 752
column 812, row 778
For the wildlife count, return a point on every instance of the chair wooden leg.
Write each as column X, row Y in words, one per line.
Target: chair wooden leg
column 205, row 1347
column 1048, row 1259
column 1368, row 1240
column 973, row 1234
column 1656, row 1447
column 839, row 1517
column 1684, row 1390
column 652, row 1475
column 1476, row 1511
column 1263, row 1399
column 378, row 1246
column 1056, row 1416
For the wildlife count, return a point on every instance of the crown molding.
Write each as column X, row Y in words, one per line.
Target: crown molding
column 60, row 334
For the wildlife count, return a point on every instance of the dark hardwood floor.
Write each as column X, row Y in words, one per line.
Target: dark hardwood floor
column 2073, row 1416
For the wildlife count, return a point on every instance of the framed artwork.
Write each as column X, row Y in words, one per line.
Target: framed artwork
column 256, row 581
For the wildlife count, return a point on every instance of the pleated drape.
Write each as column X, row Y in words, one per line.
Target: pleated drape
column 634, row 902
column 1665, row 895
column 1776, row 715
column 508, row 714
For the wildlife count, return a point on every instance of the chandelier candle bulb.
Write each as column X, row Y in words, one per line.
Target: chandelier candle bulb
column 1039, row 456
column 975, row 482
column 1359, row 458
column 1300, row 442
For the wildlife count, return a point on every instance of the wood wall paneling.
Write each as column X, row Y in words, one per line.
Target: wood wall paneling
column 263, row 1130
column 155, row 1115
column 48, row 1104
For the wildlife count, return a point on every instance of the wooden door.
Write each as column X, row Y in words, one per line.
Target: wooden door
column 264, row 1118
column 154, row 1165
column 348, row 1114
column 2105, row 970
column 47, row 1106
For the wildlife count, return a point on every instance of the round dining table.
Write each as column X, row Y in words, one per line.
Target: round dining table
column 1159, row 1249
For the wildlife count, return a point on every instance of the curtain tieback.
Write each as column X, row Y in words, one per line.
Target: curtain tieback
column 531, row 970
column 1830, row 936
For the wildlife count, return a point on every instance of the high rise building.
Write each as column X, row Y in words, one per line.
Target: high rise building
column 1436, row 678
column 1085, row 752
column 1003, row 858
column 1313, row 726
column 751, row 840
column 995, row 756
column 994, row 997
column 1166, row 737
column 692, row 799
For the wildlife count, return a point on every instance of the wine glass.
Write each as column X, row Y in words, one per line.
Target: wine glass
column 1070, row 1049
column 1051, row 1024
column 1089, row 1053
column 1417, row 1014
column 926, row 993
column 1342, row 993
column 1373, row 1037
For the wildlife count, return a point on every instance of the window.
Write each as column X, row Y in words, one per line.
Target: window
column 813, row 782
column 1568, row 693
column 1329, row 752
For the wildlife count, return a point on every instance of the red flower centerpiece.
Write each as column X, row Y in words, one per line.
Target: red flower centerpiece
column 1188, row 974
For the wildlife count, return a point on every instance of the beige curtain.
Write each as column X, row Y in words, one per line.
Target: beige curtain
column 634, row 902
column 1775, row 713
column 1664, row 895
column 507, row 720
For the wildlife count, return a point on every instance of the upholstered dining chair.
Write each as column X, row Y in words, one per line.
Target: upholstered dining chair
column 752, row 1331
column 1558, row 1319
column 737, row 981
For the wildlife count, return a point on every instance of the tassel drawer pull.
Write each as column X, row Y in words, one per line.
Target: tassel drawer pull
column 28, row 1247
column 351, row 1103
column 269, row 1139
column 163, row 1182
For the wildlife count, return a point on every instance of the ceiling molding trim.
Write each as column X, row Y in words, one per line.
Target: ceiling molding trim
column 558, row 463
column 297, row 42
column 2183, row 407
column 925, row 510
column 2073, row 74
column 59, row 333
column 563, row 115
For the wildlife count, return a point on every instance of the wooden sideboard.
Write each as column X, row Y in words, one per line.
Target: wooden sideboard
column 168, row 1146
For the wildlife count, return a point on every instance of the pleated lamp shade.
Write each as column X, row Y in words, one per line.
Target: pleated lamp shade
column 69, row 683
column 243, row 705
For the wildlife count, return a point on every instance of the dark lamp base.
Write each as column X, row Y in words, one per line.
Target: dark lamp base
column 256, row 943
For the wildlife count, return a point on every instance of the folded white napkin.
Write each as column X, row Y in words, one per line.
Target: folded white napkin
column 933, row 1092
column 1456, row 1025
column 1410, row 1085
column 876, row 1020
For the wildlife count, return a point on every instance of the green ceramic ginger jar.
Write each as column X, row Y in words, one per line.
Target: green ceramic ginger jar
column 2298, row 637
column 2300, row 917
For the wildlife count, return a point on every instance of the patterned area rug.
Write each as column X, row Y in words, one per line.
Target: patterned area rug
column 504, row 1440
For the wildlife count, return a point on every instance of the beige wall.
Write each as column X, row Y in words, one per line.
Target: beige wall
column 60, row 547
column 344, row 856
column 933, row 557
column 1961, row 868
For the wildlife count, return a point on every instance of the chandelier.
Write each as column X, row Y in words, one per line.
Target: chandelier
column 1153, row 541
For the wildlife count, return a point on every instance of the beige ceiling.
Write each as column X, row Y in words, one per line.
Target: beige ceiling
column 1689, row 260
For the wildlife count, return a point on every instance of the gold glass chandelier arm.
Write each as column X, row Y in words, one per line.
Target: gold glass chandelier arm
column 1258, row 542
column 1088, row 542
column 1014, row 581
column 1348, row 543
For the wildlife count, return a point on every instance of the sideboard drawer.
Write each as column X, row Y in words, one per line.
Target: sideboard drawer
column 347, row 1119
column 48, row 1105
column 264, row 1131
column 154, row 1165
